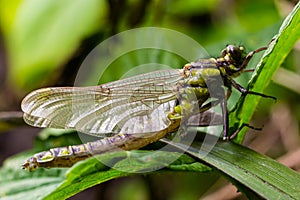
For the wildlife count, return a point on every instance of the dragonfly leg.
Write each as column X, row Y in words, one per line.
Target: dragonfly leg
column 244, row 91
column 250, row 55
column 225, row 119
column 241, row 127
column 228, row 93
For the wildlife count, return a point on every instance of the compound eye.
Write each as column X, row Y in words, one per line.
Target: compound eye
column 235, row 52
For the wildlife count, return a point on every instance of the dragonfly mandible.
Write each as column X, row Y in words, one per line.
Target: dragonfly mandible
column 133, row 112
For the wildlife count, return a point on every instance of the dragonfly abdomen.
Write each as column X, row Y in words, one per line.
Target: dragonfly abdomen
column 68, row 156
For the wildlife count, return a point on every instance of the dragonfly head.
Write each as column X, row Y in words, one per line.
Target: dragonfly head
column 233, row 57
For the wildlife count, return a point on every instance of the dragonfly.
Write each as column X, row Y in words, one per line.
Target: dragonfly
column 133, row 112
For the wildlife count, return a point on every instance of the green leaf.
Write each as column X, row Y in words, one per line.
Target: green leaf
column 259, row 173
column 16, row 183
column 274, row 56
column 93, row 171
column 62, row 183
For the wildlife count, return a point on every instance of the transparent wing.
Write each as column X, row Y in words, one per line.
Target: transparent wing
column 137, row 104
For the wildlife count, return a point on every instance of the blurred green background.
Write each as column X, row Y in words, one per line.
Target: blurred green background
column 44, row 42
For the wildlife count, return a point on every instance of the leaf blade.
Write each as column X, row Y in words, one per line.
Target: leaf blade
column 257, row 172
